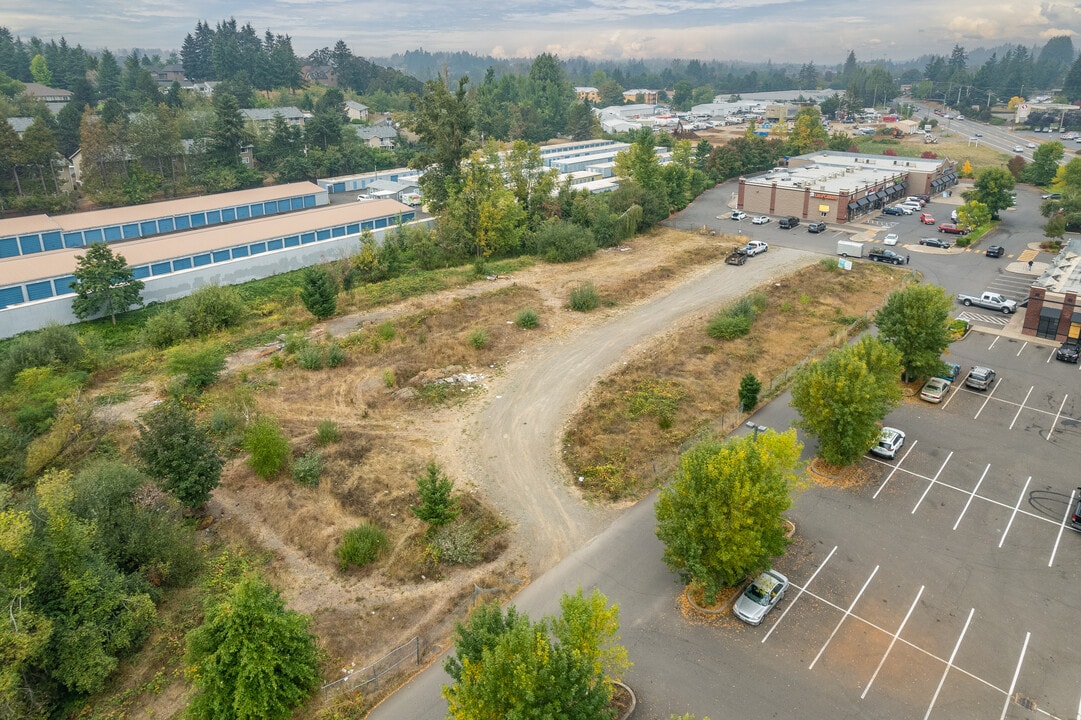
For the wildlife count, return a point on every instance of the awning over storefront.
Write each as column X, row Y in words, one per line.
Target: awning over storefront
column 852, row 206
column 881, row 195
column 863, row 202
column 904, row 185
column 951, row 177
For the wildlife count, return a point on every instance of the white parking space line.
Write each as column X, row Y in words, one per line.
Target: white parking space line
column 1057, row 416
column 990, row 394
column 993, row 342
column 893, row 642
column 972, row 495
column 896, row 467
column 1015, row 404
column 1025, row 345
column 803, row 589
column 1061, row 527
column 841, row 621
column 949, row 664
column 1022, row 406
column 931, row 484
column 1013, row 683
column 1049, row 357
column 950, row 396
column 1015, row 509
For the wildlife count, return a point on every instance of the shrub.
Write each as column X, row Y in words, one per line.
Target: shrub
column 584, row 297
column 166, row 328
column 335, row 354
column 212, row 308
column 386, row 332
column 57, row 344
column 327, row 432
column 478, row 338
column 455, row 544
column 360, row 546
column 659, row 398
column 310, row 357
column 308, row 467
column 389, row 379
column 562, row 241
column 268, row 447
column 294, row 343
column 200, row 366
column 728, row 327
column 527, row 319
column 829, row 264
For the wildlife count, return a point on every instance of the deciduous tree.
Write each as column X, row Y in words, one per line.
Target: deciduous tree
column 720, row 519
column 992, row 188
column 178, row 453
column 104, row 283
column 842, row 398
column 916, row 321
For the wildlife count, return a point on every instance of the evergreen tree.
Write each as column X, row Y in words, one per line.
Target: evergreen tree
column 108, row 78
column 437, row 505
column 319, row 292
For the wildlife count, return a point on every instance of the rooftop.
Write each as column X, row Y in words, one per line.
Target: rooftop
column 1063, row 274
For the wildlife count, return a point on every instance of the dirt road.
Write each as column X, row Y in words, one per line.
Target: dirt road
column 513, row 444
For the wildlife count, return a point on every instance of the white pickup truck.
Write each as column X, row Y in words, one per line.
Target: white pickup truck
column 989, row 300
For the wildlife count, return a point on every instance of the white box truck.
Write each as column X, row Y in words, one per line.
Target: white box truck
column 849, row 248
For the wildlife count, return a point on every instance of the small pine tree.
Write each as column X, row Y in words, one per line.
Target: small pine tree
column 749, row 387
column 437, row 506
column 319, row 293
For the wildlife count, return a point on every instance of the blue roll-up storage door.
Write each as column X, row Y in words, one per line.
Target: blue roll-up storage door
column 243, row 212
column 213, row 217
column 182, row 264
column 113, row 233
column 73, row 239
column 30, row 244
column 296, row 203
column 221, row 255
column 198, row 219
column 63, row 286
column 166, row 225
column 270, row 207
column 183, row 222
column 241, row 251
column 257, row 248
column 39, row 290
column 257, row 210
column 307, row 237
column 276, row 244
column 148, row 228
column 309, row 201
column 9, row 247
column 338, row 231
column 336, row 187
column 353, row 229
column 228, row 214
column 200, row 260
column 11, row 296
column 93, row 235
column 292, row 241
column 52, row 240
column 131, row 230
column 161, row 268
column 141, row 272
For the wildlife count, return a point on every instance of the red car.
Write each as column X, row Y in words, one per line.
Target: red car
column 952, row 229
column 926, row 219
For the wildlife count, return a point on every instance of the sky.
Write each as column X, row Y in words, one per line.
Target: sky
column 798, row 31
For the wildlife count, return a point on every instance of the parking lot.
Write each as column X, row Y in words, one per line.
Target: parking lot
column 944, row 585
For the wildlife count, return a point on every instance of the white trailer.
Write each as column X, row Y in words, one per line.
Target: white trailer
column 847, row 248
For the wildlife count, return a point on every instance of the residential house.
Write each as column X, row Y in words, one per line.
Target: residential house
column 261, row 119
column 320, row 75
column 355, row 110
column 20, row 124
column 376, row 136
column 168, row 74
column 54, row 98
column 589, row 94
column 640, row 95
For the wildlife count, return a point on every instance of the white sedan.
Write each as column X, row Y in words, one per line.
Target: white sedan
column 1032, row 144
column 738, row 215
column 890, row 239
column 1018, row 149
column 760, row 219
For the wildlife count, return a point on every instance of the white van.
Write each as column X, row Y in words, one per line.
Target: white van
column 912, row 205
column 914, row 199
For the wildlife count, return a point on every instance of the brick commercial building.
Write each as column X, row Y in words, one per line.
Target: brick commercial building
column 1053, row 310
column 841, row 187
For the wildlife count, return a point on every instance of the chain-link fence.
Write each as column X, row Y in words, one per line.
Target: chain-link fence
column 372, row 674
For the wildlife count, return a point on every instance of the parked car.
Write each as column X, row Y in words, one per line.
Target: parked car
column 738, row 215
column 1075, row 516
column 787, row 223
column 889, row 442
column 892, row 210
column 952, row 229
column 934, row 389
column 1068, row 351
column 760, row 219
column 755, row 247
column 927, row 219
column 760, row 597
column 890, row 239
column 951, row 372
column 994, row 251
column 935, row 242
column 1051, row 196
column 816, row 227
column 980, row 378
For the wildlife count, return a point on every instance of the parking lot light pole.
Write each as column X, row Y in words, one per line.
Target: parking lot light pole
column 756, row 427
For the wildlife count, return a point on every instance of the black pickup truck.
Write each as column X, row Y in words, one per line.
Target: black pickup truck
column 884, row 255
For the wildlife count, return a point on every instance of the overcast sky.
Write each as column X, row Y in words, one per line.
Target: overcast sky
column 822, row 31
